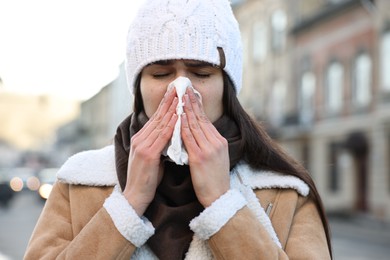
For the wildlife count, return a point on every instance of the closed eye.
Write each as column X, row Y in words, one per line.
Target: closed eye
column 160, row 75
column 202, row 75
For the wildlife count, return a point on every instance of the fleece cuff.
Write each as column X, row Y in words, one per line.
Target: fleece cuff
column 135, row 229
column 214, row 217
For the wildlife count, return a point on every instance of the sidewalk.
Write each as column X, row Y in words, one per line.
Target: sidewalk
column 359, row 237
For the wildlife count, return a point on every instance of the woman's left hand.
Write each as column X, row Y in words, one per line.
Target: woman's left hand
column 208, row 153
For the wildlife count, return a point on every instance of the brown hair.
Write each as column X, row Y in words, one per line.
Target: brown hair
column 261, row 152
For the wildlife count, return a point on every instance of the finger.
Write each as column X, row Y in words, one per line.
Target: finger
column 163, row 124
column 208, row 128
column 162, row 109
column 192, row 121
column 209, row 131
column 164, row 103
column 165, row 135
column 154, row 129
column 197, row 107
column 187, row 136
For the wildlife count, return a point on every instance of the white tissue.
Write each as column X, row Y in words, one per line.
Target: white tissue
column 176, row 150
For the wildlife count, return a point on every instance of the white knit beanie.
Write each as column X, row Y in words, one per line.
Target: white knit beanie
column 184, row 29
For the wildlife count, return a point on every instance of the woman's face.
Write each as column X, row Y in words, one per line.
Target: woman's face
column 205, row 78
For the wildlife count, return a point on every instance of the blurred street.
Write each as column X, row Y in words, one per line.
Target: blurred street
column 360, row 238
column 357, row 238
column 17, row 223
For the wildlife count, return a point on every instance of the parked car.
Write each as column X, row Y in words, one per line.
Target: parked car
column 47, row 177
column 6, row 193
column 23, row 179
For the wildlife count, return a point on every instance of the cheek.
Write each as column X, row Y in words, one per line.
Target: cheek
column 212, row 101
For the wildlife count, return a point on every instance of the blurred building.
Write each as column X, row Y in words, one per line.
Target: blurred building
column 99, row 118
column 27, row 124
column 317, row 73
column 9, row 154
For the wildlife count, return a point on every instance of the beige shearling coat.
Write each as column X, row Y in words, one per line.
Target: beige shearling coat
column 264, row 216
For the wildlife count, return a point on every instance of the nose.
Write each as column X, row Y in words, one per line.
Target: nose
column 182, row 73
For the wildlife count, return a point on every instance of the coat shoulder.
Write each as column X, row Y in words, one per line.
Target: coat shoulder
column 259, row 179
column 93, row 168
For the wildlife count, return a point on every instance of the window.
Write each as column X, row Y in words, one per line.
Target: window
column 279, row 30
column 361, row 82
column 334, row 87
column 259, row 42
column 333, row 181
column 308, row 84
column 277, row 103
column 388, row 164
column 385, row 61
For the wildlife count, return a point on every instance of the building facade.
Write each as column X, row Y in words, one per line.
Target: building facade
column 332, row 111
column 99, row 118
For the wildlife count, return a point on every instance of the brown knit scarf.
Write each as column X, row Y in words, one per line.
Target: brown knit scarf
column 175, row 202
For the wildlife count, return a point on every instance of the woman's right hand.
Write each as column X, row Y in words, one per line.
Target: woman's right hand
column 144, row 171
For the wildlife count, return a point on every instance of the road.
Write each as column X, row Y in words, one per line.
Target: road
column 355, row 238
column 17, row 223
column 360, row 238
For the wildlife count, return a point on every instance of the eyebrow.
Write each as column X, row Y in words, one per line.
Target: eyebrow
column 192, row 64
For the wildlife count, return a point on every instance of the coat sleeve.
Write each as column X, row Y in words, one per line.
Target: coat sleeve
column 54, row 238
column 244, row 237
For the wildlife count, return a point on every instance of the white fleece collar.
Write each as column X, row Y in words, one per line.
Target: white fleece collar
column 97, row 168
column 267, row 180
column 94, row 168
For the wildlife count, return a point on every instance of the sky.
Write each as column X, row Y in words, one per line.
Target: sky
column 68, row 48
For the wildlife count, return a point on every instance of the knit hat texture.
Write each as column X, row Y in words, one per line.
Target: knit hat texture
column 184, row 29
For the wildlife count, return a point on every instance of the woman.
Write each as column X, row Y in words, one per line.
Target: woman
column 239, row 197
